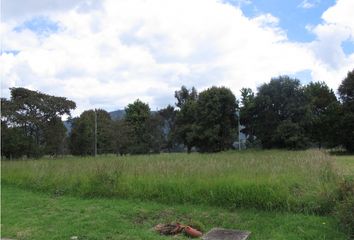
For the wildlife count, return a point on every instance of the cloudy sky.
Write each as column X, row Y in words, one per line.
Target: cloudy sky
column 107, row 53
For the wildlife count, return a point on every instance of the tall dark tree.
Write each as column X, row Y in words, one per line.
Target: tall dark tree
column 54, row 133
column 147, row 130
column 282, row 99
column 246, row 113
column 216, row 119
column 168, row 117
column 322, row 104
column 185, row 129
column 123, row 137
column 346, row 93
column 82, row 137
column 32, row 111
column 185, row 95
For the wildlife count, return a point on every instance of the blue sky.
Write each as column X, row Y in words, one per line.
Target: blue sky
column 107, row 53
column 292, row 15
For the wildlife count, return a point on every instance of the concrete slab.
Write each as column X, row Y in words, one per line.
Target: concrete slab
column 226, row 234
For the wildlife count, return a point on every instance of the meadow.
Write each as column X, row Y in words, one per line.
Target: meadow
column 301, row 181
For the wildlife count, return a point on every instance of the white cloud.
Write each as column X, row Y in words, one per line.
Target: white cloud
column 106, row 54
column 332, row 63
column 306, row 4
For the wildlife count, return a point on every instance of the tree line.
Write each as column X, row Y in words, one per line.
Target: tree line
column 281, row 114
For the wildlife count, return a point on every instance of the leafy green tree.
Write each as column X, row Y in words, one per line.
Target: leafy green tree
column 216, row 119
column 82, row 137
column 346, row 93
column 154, row 127
column 14, row 142
column 122, row 136
column 54, row 133
column 282, row 99
column 322, row 104
column 168, row 118
column 290, row 135
column 246, row 113
column 147, row 129
column 185, row 128
column 185, row 95
column 137, row 115
column 31, row 111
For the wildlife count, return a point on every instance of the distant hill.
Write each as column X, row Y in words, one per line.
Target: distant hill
column 117, row 115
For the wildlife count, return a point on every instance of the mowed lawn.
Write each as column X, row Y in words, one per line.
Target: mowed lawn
column 30, row 215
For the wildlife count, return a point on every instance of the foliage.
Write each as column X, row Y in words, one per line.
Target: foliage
column 168, row 117
column 185, row 95
column 215, row 120
column 146, row 129
column 32, row 113
column 54, row 133
column 186, row 116
column 346, row 127
column 289, row 135
column 122, row 136
column 82, row 137
column 323, row 105
column 246, row 113
column 346, row 91
column 282, row 99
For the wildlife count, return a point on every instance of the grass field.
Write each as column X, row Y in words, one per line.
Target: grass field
column 274, row 194
column 345, row 164
column 301, row 181
column 29, row 215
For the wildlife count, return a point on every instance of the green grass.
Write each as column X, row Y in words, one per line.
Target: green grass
column 30, row 215
column 302, row 181
column 345, row 164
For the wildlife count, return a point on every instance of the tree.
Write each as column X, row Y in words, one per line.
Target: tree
column 346, row 93
column 168, row 117
column 54, row 133
column 282, row 99
column 122, row 136
column 290, row 135
column 82, row 137
column 147, row 130
column 322, row 104
column 216, row 121
column 246, row 110
column 184, row 95
column 185, row 117
column 31, row 112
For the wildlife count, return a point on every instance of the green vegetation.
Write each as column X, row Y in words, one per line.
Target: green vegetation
column 301, row 181
column 345, row 163
column 282, row 114
column 28, row 215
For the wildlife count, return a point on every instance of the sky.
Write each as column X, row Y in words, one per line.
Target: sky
column 107, row 53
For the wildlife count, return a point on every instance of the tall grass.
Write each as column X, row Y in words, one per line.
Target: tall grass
column 301, row 181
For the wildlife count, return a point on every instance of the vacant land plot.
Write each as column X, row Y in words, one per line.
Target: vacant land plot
column 303, row 181
column 29, row 215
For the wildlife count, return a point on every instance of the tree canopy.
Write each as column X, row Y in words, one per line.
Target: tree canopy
column 35, row 120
